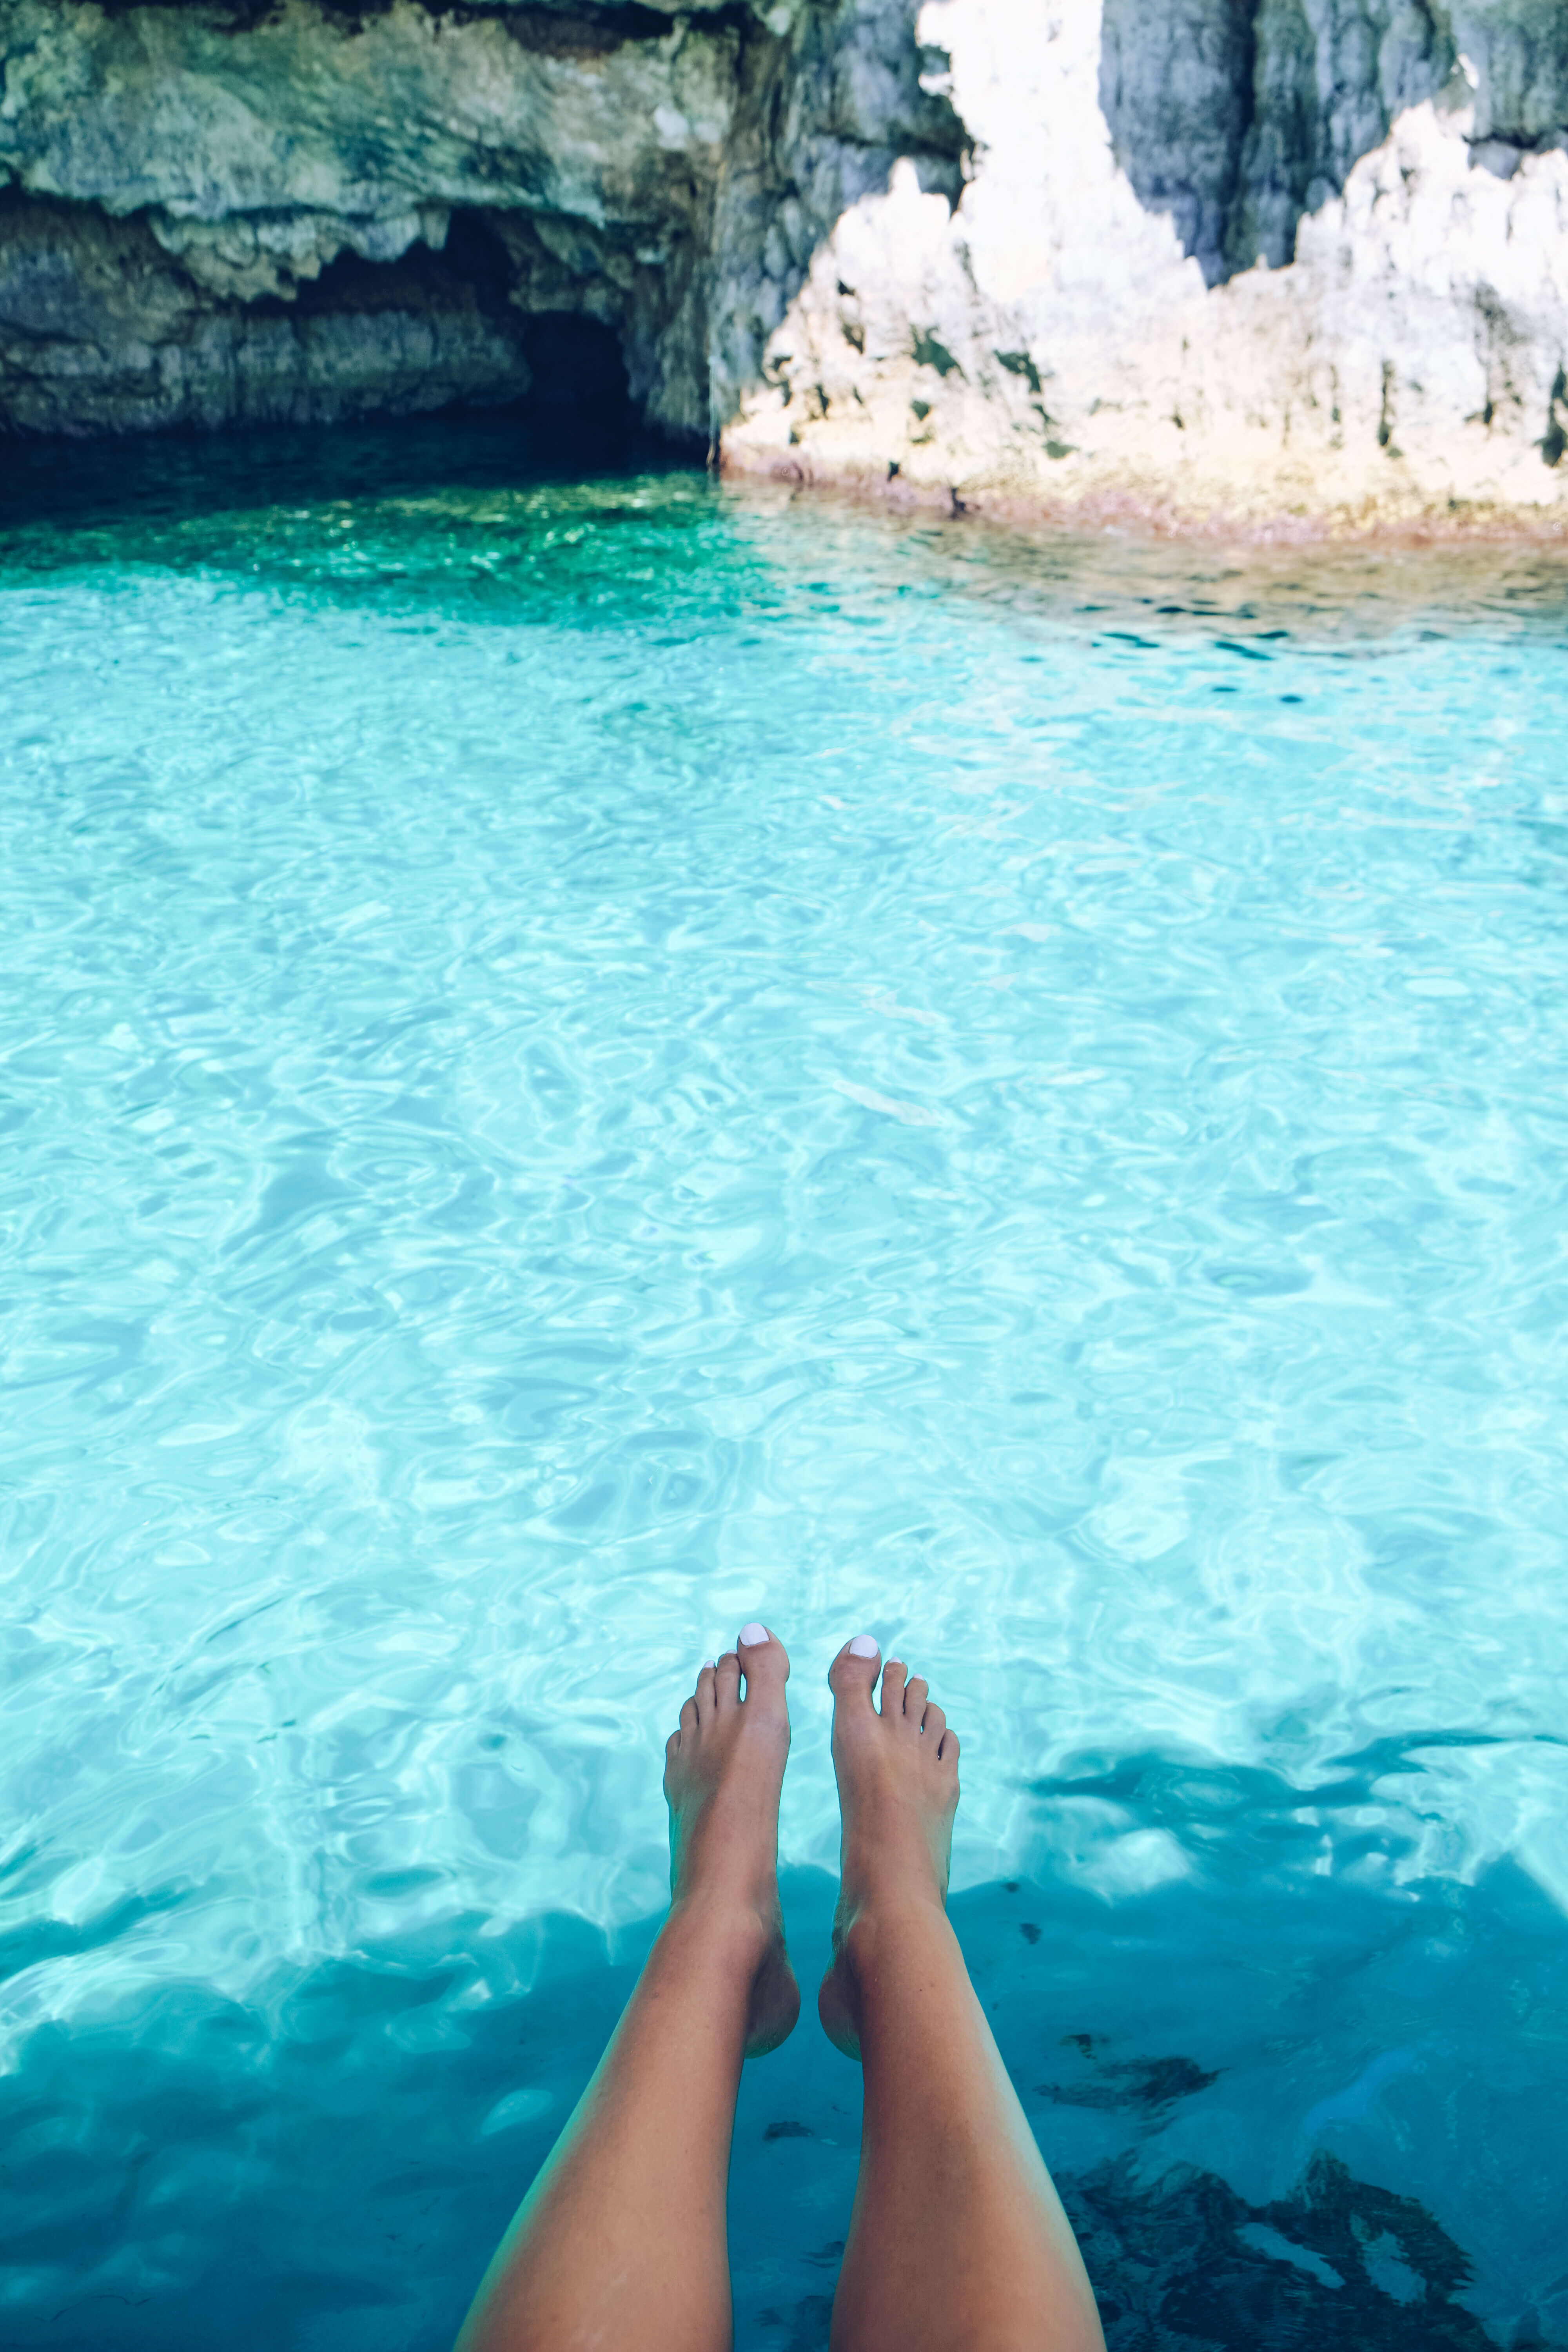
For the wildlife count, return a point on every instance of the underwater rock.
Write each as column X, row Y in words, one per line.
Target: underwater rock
column 1186, row 2266
column 1183, row 2264
column 1272, row 263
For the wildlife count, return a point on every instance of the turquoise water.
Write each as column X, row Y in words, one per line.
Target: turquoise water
column 581, row 1060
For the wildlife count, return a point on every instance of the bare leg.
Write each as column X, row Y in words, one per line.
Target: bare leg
column 620, row 2241
column 958, row 2242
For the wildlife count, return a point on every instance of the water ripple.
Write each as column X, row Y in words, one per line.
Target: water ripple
column 545, row 1114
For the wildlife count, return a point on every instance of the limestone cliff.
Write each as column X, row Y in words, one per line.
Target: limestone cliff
column 306, row 212
column 1282, row 260
column 1279, row 260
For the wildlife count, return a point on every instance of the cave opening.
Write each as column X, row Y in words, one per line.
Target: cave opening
column 561, row 372
column 578, row 372
column 377, row 379
column 480, row 316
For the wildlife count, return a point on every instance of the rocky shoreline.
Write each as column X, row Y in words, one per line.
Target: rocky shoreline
column 1268, row 269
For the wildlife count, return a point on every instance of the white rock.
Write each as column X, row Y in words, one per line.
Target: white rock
column 1403, row 364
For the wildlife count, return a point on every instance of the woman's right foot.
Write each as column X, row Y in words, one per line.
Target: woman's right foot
column 721, row 1774
column 897, row 1791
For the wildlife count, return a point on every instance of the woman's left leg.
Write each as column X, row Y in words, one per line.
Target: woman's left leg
column 620, row 2241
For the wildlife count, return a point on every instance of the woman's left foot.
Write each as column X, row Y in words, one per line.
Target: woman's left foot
column 723, row 1772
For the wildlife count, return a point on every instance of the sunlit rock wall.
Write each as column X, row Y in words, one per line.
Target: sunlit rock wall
column 1269, row 261
column 1279, row 260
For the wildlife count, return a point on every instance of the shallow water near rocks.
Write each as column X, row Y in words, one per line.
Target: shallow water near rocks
column 584, row 1057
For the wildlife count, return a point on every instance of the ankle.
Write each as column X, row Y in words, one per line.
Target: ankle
column 881, row 1921
column 729, row 1926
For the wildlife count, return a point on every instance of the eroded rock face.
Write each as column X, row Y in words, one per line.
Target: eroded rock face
column 1099, row 321
column 1260, row 258
column 307, row 213
column 1238, row 116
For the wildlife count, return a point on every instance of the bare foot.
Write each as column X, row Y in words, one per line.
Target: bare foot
column 897, row 1791
column 722, row 1770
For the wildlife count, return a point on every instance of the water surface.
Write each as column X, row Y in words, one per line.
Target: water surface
column 582, row 1059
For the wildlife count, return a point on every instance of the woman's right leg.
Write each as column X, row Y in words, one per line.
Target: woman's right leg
column 958, row 2242
column 620, row 2241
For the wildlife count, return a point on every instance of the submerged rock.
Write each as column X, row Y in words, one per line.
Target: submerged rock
column 1276, row 263
column 1185, row 2265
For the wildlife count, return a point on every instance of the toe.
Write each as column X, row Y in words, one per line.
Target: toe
column 948, row 1750
column 707, row 1689
column 935, row 1723
column 726, row 1680
column 915, row 1691
column 852, row 1673
column 893, row 1674
column 671, row 1748
column 688, row 1717
column 765, row 1661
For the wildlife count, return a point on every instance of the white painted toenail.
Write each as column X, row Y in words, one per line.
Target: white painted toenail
column 707, row 1666
column 864, row 1645
column 753, row 1635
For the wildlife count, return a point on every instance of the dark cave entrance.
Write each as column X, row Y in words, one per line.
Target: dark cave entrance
column 578, row 371
column 486, row 320
column 572, row 381
column 378, row 379
column 560, row 371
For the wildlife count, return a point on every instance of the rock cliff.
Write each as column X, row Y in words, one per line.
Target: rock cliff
column 305, row 211
column 1280, row 261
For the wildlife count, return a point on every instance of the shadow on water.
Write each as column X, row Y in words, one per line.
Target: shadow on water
column 1289, row 2112
column 181, row 478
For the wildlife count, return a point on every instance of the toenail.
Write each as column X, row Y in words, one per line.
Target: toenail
column 707, row 1666
column 864, row 1645
column 753, row 1635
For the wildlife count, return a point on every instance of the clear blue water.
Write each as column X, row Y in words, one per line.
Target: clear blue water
column 584, row 1060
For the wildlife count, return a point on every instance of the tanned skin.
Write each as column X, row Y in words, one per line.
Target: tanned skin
column 958, row 2242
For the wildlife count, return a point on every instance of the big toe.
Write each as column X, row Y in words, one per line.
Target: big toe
column 765, row 1661
column 852, row 1677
